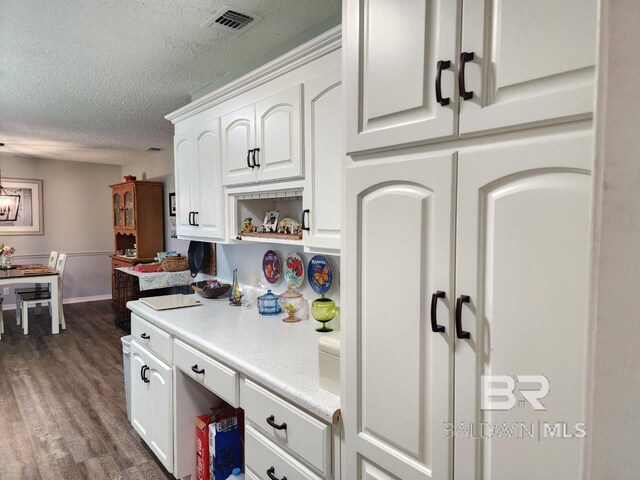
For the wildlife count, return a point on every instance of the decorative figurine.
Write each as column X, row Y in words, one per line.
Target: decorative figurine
column 248, row 226
column 235, row 298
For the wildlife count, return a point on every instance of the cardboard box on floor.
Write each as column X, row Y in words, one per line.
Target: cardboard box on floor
column 219, row 443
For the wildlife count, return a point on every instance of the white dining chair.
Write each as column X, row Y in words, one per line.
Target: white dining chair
column 38, row 287
column 44, row 296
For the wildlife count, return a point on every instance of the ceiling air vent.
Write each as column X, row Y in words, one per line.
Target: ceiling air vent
column 231, row 21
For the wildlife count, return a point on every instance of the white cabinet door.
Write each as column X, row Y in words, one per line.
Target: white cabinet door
column 533, row 61
column 324, row 161
column 392, row 53
column 139, row 393
column 184, row 165
column 522, row 258
column 279, row 136
column 208, row 182
column 399, row 245
column 160, row 415
column 151, row 402
column 238, row 132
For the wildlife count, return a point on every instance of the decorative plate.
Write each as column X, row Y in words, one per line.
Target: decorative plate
column 319, row 274
column 271, row 266
column 294, row 270
column 289, row 223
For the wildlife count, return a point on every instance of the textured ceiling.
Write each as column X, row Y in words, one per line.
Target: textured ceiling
column 92, row 80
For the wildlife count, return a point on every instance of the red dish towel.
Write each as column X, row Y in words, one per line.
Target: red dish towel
column 147, row 268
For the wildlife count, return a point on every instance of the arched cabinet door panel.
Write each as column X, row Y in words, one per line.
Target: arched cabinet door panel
column 522, row 258
column 238, row 129
column 279, row 135
column 184, row 164
column 399, row 243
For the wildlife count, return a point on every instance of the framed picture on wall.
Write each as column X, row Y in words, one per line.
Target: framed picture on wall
column 30, row 220
column 172, row 204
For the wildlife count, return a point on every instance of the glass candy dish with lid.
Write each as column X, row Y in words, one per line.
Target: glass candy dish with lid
column 268, row 304
column 291, row 302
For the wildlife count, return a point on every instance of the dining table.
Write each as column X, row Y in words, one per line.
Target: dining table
column 37, row 273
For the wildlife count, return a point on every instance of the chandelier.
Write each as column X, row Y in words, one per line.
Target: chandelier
column 9, row 203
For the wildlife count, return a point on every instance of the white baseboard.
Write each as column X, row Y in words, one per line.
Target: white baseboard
column 94, row 298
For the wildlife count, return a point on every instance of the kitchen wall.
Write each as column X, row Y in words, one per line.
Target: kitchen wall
column 247, row 258
column 77, row 221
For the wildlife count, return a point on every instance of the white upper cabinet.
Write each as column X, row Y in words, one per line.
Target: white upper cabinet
column 324, row 161
column 393, row 49
column 198, row 171
column 399, row 375
column 263, row 142
column 279, row 136
column 520, row 63
column 522, row 261
column 185, row 168
column 209, row 218
column 238, row 130
column 533, row 61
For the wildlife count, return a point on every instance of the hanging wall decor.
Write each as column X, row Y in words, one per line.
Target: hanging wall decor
column 29, row 220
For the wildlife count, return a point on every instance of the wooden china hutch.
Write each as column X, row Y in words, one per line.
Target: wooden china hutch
column 137, row 220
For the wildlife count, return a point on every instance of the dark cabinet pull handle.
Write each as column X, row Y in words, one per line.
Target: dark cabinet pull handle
column 442, row 65
column 194, row 369
column 271, row 472
column 304, row 226
column 464, row 58
column 144, row 336
column 142, row 374
column 434, row 311
column 194, row 219
column 248, row 159
column 271, row 421
column 459, row 331
column 256, row 157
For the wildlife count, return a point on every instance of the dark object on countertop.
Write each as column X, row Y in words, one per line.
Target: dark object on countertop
column 210, row 289
column 198, row 256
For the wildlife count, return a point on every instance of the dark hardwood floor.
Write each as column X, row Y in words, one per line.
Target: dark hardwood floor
column 62, row 404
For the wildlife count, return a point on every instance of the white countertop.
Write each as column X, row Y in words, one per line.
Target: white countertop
column 281, row 356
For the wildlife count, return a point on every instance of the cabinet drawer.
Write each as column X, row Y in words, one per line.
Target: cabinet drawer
column 304, row 435
column 218, row 378
column 152, row 338
column 263, row 456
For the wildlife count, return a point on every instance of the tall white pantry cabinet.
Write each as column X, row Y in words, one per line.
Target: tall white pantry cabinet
column 466, row 237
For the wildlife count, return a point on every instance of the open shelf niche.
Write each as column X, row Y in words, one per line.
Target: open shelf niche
column 257, row 204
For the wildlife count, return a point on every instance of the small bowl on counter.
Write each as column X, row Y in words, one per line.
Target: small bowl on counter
column 210, row 289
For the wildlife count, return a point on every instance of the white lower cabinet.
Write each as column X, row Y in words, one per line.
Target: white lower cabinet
column 287, row 426
column 281, row 440
column 492, row 252
column 268, row 462
column 151, row 402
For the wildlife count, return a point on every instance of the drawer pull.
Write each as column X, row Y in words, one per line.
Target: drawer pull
column 144, row 336
column 271, row 472
column 195, row 370
column 271, row 421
